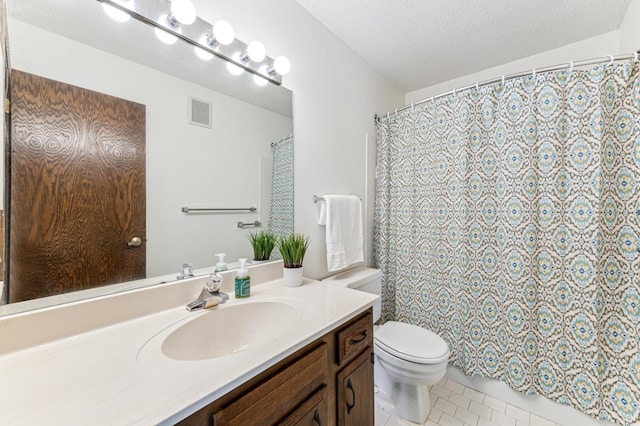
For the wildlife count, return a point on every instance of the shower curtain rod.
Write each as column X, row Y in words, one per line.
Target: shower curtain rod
column 568, row 65
column 281, row 140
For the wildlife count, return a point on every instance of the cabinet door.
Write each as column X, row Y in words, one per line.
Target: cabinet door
column 312, row 412
column 355, row 391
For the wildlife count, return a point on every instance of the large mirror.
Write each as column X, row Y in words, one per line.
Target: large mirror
column 210, row 140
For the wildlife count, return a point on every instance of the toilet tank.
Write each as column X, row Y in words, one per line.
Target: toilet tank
column 363, row 279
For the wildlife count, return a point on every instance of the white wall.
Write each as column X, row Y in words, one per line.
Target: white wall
column 336, row 94
column 599, row 46
column 630, row 28
column 186, row 165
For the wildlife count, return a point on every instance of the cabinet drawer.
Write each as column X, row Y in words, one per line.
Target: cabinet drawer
column 313, row 411
column 354, row 338
column 266, row 403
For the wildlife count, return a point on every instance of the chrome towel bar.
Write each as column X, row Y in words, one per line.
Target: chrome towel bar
column 215, row 209
column 256, row 224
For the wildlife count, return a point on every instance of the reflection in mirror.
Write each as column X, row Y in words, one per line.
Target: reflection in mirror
column 242, row 158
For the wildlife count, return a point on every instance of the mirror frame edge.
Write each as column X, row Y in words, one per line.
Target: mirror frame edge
column 6, row 102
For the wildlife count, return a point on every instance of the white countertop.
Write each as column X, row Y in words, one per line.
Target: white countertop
column 104, row 376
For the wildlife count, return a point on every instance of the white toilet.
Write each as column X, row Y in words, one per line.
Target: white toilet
column 408, row 358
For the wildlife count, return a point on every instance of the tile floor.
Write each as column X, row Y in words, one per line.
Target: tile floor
column 453, row 404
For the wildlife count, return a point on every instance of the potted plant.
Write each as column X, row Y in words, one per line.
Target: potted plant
column 292, row 249
column 263, row 243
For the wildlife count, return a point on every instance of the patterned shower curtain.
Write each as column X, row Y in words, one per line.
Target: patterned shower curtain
column 508, row 222
column 281, row 208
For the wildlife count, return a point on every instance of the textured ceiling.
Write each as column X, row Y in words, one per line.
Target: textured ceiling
column 419, row 43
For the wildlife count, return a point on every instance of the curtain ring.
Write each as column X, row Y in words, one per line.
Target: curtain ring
column 635, row 55
column 454, row 92
column 477, row 88
column 610, row 59
column 503, row 79
column 533, row 73
column 570, row 67
column 432, row 99
column 412, row 109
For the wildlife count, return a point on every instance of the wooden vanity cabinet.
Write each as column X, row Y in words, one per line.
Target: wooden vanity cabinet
column 328, row 382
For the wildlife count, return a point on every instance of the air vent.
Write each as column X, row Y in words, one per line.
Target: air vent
column 200, row 113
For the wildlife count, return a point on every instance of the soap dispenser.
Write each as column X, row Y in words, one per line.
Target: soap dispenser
column 221, row 265
column 243, row 281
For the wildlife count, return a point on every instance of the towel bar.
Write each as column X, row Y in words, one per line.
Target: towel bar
column 215, row 209
column 317, row 199
column 256, row 224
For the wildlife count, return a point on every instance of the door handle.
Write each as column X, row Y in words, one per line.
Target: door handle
column 135, row 242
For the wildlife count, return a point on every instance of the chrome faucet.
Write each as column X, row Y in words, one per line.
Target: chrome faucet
column 210, row 296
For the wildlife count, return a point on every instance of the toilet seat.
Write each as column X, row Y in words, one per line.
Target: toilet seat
column 411, row 343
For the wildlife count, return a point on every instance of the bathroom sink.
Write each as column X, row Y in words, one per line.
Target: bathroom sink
column 229, row 329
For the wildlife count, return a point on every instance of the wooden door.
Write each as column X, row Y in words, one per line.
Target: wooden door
column 355, row 392
column 77, row 188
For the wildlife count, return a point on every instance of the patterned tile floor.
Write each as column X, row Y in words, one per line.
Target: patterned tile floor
column 453, row 404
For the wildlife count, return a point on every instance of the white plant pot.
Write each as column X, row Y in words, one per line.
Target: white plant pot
column 292, row 276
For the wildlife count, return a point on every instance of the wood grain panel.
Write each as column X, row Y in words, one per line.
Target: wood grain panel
column 77, row 188
column 355, row 393
column 354, row 338
column 281, row 394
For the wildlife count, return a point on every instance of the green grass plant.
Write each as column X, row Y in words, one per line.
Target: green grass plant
column 293, row 249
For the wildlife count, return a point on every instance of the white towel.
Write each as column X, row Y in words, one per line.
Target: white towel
column 322, row 220
column 344, row 235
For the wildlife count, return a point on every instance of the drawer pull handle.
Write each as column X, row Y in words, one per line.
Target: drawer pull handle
column 360, row 339
column 353, row 393
column 316, row 417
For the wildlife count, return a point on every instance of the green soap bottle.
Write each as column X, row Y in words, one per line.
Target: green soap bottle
column 243, row 281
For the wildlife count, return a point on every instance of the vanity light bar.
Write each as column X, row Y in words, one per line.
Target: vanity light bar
column 154, row 13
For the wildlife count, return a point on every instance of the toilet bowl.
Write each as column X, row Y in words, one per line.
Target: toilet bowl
column 408, row 358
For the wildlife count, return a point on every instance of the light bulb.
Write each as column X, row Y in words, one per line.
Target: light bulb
column 117, row 14
column 183, row 11
column 256, row 51
column 164, row 36
column 282, row 65
column 233, row 68
column 203, row 54
column 223, row 32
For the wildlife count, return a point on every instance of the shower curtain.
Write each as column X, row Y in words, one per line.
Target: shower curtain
column 281, row 208
column 508, row 221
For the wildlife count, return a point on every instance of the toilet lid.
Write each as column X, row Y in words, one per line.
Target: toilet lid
column 412, row 343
